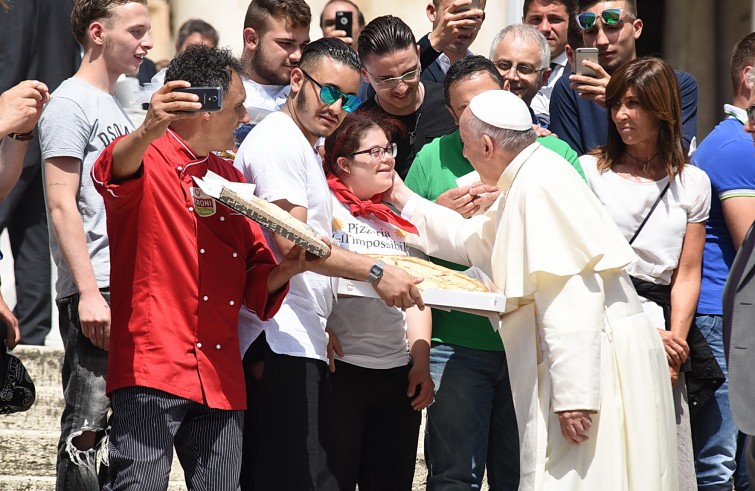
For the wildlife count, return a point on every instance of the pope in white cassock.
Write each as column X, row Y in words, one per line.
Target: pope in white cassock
column 588, row 372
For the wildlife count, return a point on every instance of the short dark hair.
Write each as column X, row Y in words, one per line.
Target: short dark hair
column 259, row 11
column 468, row 67
column 360, row 15
column 742, row 56
column 383, row 35
column 196, row 25
column 571, row 6
column 332, row 48
column 203, row 66
column 345, row 140
column 586, row 4
column 87, row 11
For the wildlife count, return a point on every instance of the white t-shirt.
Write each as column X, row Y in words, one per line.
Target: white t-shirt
column 659, row 244
column 279, row 160
column 261, row 100
column 372, row 334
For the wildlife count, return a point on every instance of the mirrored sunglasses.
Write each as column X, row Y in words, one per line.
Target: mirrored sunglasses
column 611, row 17
column 329, row 95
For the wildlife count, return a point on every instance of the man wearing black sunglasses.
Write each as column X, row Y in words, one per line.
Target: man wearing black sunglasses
column 576, row 107
column 289, row 363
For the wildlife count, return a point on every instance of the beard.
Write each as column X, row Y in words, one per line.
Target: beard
column 302, row 106
column 263, row 67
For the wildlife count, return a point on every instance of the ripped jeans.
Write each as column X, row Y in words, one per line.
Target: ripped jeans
column 86, row 405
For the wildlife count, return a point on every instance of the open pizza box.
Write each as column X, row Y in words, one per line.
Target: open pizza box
column 239, row 196
column 487, row 304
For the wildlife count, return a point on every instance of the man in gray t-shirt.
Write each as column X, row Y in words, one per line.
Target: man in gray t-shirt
column 82, row 118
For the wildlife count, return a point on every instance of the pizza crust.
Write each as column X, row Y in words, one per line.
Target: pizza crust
column 436, row 277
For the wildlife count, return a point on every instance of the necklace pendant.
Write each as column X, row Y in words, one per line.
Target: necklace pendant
column 412, row 138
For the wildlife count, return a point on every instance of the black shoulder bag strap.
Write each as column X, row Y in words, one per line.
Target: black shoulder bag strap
column 660, row 197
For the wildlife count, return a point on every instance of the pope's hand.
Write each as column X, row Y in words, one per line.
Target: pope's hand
column 575, row 425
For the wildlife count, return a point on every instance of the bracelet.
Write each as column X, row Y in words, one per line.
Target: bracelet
column 22, row 137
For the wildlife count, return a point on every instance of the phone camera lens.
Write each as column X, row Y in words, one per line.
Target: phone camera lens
column 343, row 20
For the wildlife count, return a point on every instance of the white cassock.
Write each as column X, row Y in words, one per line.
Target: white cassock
column 575, row 333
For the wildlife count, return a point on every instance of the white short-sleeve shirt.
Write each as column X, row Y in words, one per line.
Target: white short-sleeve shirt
column 659, row 244
column 279, row 160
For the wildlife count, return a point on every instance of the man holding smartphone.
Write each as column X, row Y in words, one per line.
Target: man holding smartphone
column 576, row 107
column 456, row 24
column 342, row 19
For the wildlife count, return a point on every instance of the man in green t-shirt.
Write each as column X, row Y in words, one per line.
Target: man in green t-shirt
column 471, row 425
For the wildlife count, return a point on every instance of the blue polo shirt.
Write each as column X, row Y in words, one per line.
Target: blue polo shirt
column 728, row 157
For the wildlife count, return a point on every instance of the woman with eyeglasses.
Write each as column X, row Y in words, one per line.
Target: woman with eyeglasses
column 660, row 204
column 381, row 379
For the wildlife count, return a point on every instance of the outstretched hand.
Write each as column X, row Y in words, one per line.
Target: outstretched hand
column 21, row 106
column 468, row 200
column 167, row 106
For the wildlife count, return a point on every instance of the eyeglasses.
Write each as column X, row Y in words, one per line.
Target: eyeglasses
column 751, row 113
column 329, row 95
column 378, row 153
column 389, row 83
column 611, row 17
column 505, row 66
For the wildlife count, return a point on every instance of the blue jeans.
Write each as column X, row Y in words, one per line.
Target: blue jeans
column 714, row 434
column 86, row 404
column 472, row 423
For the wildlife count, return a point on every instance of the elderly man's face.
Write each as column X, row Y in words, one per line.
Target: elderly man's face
column 520, row 55
column 476, row 150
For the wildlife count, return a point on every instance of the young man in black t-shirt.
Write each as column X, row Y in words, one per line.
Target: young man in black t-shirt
column 390, row 63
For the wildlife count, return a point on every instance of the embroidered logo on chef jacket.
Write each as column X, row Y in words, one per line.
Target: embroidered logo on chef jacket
column 204, row 205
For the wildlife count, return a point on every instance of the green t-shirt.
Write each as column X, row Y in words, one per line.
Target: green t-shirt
column 433, row 172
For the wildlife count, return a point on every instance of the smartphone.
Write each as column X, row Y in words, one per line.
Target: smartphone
column 344, row 22
column 585, row 54
column 211, row 98
column 473, row 6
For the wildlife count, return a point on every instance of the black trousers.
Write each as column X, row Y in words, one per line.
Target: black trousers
column 371, row 429
column 23, row 214
column 283, row 427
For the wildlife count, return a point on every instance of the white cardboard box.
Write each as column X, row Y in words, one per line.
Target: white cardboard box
column 487, row 304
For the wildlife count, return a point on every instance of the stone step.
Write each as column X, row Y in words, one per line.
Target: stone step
column 43, row 415
column 43, row 364
column 30, row 483
column 35, row 452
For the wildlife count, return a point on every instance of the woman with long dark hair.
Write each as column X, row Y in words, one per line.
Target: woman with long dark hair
column 660, row 205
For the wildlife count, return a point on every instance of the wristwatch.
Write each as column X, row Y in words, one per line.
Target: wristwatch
column 22, row 137
column 376, row 272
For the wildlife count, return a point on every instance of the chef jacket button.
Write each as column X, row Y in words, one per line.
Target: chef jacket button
column 201, row 251
column 235, row 254
column 179, row 168
column 222, row 219
column 232, row 302
column 205, row 298
column 199, row 345
column 191, row 208
column 217, row 346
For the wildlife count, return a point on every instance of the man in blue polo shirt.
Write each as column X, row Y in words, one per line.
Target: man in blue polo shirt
column 576, row 108
column 727, row 156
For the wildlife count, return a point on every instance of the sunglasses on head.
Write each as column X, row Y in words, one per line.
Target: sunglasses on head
column 329, row 95
column 611, row 17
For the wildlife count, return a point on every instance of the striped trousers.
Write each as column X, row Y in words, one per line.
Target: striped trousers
column 146, row 425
